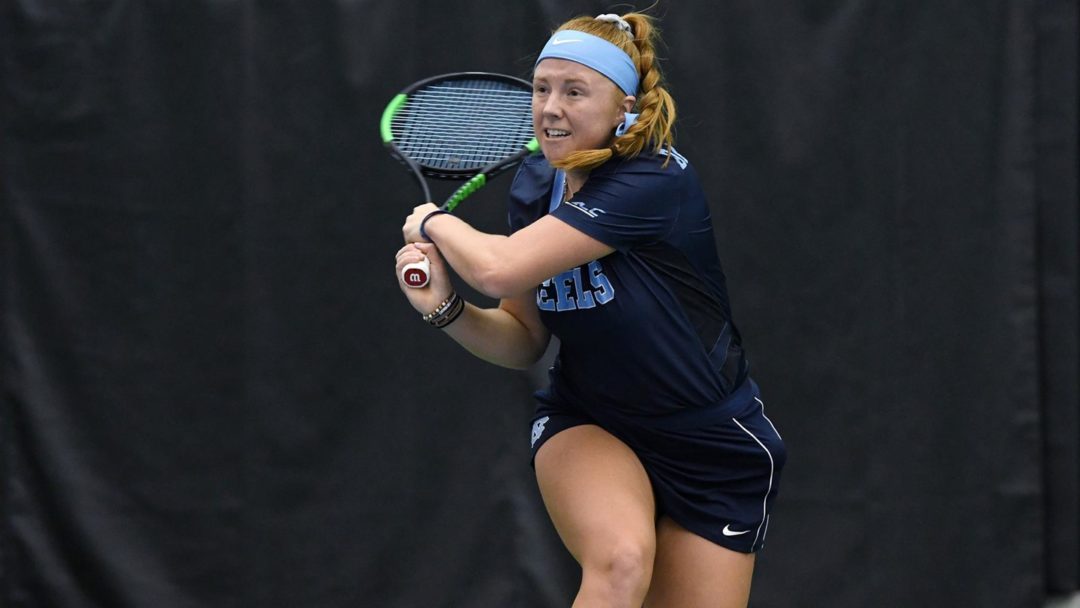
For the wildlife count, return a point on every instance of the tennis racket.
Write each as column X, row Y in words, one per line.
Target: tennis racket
column 464, row 126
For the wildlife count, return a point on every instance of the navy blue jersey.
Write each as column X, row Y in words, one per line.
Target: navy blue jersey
column 648, row 328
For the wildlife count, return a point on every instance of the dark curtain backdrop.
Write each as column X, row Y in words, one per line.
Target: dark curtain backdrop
column 214, row 395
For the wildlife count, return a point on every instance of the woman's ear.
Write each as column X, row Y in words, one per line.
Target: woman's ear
column 626, row 104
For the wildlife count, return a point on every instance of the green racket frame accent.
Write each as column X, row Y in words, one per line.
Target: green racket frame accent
column 388, row 115
column 464, row 191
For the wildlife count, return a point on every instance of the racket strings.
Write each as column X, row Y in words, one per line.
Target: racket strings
column 487, row 137
column 464, row 125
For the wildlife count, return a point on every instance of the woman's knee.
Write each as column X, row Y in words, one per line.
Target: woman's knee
column 623, row 567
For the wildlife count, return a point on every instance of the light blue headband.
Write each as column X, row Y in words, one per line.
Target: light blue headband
column 596, row 53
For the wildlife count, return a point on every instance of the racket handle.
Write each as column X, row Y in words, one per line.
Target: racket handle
column 416, row 274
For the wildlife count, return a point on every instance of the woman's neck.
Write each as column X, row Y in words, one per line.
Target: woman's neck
column 574, row 181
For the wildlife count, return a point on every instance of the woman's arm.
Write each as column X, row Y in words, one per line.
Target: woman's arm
column 511, row 335
column 503, row 266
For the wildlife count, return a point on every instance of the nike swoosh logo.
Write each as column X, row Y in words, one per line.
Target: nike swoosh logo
column 729, row 532
column 565, row 40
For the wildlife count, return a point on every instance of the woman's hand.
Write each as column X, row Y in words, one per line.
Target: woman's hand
column 424, row 299
column 411, row 229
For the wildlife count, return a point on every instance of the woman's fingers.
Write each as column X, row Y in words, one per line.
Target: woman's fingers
column 410, row 253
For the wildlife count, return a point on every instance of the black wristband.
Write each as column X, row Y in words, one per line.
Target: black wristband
column 423, row 234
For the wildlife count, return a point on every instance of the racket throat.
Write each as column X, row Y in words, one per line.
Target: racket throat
column 463, row 192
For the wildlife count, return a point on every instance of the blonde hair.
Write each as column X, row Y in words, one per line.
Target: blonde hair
column 656, row 108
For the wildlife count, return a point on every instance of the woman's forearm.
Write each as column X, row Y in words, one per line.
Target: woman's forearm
column 475, row 256
column 498, row 336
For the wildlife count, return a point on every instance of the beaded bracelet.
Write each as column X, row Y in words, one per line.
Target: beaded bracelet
column 446, row 312
column 441, row 308
column 451, row 315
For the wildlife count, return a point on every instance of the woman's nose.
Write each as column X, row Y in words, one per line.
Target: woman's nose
column 553, row 106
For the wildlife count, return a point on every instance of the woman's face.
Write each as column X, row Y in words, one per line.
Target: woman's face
column 574, row 108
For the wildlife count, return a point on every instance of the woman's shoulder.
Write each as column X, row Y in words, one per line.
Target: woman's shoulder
column 530, row 191
column 650, row 168
column 532, row 180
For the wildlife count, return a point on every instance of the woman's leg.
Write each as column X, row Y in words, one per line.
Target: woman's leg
column 601, row 503
column 691, row 572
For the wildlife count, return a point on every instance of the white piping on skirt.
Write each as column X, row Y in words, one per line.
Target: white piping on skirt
column 772, row 470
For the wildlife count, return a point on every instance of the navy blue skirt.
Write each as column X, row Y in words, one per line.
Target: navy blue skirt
column 715, row 470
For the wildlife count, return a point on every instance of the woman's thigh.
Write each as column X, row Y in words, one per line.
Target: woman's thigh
column 597, row 494
column 692, row 572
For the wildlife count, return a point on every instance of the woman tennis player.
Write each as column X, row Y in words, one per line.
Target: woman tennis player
column 651, row 446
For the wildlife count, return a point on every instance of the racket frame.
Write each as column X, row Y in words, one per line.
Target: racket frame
column 417, row 274
column 475, row 178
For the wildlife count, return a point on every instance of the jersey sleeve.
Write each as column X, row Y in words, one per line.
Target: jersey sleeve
column 626, row 204
column 529, row 192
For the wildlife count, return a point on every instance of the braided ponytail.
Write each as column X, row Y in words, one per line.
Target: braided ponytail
column 655, row 106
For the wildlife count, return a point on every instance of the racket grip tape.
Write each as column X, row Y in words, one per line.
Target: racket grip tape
column 416, row 274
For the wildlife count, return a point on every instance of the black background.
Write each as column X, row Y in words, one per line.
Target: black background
column 214, row 394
